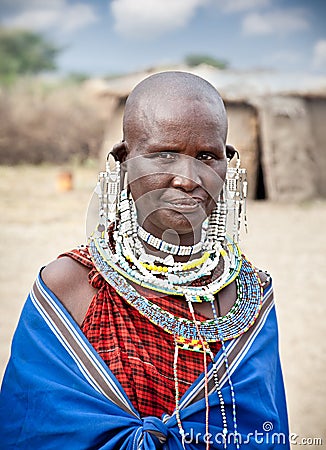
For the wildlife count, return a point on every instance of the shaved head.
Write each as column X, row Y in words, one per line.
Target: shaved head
column 169, row 90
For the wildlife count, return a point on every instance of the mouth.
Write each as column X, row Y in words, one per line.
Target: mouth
column 185, row 204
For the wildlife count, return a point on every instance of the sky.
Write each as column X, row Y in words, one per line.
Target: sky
column 103, row 37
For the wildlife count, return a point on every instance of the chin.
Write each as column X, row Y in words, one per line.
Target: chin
column 181, row 223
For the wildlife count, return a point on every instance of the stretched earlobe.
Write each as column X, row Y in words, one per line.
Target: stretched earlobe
column 119, row 151
column 230, row 151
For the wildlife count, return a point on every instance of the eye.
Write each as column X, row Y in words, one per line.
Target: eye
column 167, row 155
column 206, row 156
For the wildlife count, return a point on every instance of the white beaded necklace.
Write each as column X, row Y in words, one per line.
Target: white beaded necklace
column 166, row 247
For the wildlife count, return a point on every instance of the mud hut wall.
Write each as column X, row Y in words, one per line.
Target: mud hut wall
column 316, row 108
column 287, row 141
column 243, row 135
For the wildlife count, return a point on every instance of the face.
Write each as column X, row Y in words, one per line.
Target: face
column 176, row 165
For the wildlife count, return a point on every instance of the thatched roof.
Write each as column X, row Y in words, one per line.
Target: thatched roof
column 234, row 85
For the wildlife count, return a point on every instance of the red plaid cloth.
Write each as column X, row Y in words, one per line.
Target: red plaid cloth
column 139, row 353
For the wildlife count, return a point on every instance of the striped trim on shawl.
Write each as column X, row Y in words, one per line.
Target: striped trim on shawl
column 69, row 338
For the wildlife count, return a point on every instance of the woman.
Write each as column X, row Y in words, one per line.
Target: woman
column 159, row 333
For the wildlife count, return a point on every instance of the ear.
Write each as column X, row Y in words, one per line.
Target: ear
column 230, row 151
column 119, row 151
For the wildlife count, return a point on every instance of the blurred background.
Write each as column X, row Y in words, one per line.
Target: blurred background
column 66, row 69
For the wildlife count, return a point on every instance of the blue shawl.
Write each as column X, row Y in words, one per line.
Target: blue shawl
column 57, row 392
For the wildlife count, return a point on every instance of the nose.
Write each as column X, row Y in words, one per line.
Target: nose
column 187, row 175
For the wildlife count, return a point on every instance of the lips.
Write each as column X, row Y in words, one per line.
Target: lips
column 185, row 203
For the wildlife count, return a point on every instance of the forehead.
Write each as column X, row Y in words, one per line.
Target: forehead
column 177, row 108
column 177, row 120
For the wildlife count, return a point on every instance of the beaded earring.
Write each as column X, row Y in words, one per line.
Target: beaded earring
column 225, row 221
column 236, row 187
column 216, row 231
column 108, row 191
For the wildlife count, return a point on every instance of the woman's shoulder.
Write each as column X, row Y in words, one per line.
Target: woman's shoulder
column 64, row 273
column 68, row 280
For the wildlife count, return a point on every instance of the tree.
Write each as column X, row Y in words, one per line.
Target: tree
column 194, row 60
column 24, row 52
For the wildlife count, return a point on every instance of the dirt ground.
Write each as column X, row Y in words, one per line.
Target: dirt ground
column 38, row 222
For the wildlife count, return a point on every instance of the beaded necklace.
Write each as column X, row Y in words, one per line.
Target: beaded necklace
column 233, row 324
column 176, row 267
column 177, row 283
column 181, row 250
column 177, row 275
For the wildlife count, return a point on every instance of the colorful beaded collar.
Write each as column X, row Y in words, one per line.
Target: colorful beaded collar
column 200, row 292
column 236, row 322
